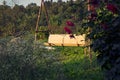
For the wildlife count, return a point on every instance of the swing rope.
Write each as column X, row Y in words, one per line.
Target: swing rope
column 42, row 8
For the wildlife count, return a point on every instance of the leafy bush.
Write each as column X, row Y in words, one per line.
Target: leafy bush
column 22, row 59
column 16, row 60
column 106, row 37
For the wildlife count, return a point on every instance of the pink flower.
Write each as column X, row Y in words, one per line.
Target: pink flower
column 69, row 23
column 112, row 8
column 67, row 30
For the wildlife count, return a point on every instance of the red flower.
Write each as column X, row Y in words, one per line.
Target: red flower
column 112, row 8
column 67, row 30
column 69, row 23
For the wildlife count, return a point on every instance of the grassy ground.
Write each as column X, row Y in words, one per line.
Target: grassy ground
column 26, row 60
column 76, row 65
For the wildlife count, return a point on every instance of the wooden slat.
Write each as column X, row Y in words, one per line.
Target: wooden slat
column 65, row 40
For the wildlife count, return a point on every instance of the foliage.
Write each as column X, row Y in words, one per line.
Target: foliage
column 106, row 37
column 22, row 59
column 16, row 20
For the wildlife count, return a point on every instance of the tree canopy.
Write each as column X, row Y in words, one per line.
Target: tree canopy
column 18, row 19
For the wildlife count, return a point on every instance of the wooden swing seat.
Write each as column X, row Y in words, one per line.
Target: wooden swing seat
column 65, row 40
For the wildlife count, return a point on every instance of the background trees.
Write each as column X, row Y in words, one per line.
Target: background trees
column 19, row 19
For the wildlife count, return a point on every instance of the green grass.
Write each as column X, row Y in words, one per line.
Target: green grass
column 25, row 60
column 77, row 66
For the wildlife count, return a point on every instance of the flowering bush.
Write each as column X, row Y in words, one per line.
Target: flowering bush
column 106, row 37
